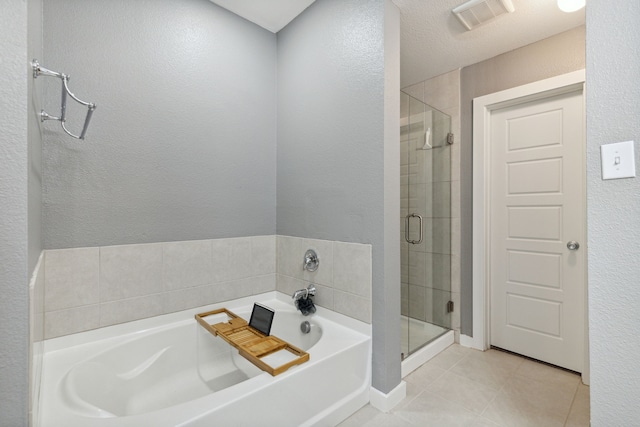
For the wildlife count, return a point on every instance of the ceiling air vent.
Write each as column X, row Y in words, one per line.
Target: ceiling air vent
column 476, row 12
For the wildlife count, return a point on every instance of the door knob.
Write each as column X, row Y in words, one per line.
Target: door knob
column 573, row 245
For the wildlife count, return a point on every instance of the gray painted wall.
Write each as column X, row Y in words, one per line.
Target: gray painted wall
column 331, row 122
column 613, row 213
column 34, row 220
column 331, row 145
column 17, row 207
column 550, row 57
column 182, row 145
column 35, row 135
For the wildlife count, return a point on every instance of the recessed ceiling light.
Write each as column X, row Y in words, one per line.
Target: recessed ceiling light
column 570, row 5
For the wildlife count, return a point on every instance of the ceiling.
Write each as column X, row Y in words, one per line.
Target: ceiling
column 272, row 15
column 433, row 41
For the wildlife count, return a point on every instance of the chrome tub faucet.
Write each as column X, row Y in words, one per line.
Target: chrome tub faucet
column 309, row 291
column 302, row 300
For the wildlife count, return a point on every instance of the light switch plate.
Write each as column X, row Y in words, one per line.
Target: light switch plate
column 618, row 160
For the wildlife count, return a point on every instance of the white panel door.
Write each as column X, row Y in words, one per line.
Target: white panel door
column 537, row 284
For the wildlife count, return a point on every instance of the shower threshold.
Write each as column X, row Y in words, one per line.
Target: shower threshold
column 435, row 339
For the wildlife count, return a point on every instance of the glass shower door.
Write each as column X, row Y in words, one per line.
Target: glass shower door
column 425, row 223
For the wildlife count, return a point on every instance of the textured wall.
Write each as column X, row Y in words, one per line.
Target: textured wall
column 182, row 145
column 331, row 141
column 35, row 136
column 550, row 57
column 34, row 225
column 330, row 122
column 14, row 303
column 613, row 108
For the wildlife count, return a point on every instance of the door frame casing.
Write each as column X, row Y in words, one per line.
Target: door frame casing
column 482, row 108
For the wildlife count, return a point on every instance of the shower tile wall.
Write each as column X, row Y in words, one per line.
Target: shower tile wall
column 426, row 269
column 443, row 93
column 88, row 288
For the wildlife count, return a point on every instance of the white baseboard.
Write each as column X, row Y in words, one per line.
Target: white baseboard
column 467, row 341
column 386, row 402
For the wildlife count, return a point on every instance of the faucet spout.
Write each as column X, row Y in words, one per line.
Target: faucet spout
column 302, row 300
column 309, row 291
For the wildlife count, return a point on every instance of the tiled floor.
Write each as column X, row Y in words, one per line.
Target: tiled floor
column 464, row 387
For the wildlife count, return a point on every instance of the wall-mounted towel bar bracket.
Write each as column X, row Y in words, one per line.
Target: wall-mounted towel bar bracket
column 38, row 70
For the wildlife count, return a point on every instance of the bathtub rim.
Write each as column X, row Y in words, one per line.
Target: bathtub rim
column 144, row 325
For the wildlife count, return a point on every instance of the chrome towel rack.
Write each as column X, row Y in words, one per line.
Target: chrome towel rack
column 38, row 70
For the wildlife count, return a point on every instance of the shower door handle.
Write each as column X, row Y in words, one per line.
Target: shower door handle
column 407, row 221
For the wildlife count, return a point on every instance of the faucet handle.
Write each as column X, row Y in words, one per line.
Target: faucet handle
column 311, row 261
column 311, row 290
column 305, row 293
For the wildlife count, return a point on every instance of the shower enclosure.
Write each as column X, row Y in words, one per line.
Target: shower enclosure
column 425, row 192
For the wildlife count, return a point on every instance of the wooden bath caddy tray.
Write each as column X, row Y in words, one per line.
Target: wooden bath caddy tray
column 252, row 344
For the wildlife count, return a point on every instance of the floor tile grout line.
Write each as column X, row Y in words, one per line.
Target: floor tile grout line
column 452, row 402
column 537, row 380
column 461, row 359
column 404, row 419
column 506, row 379
column 397, row 412
column 493, row 400
column 575, row 394
column 477, row 413
column 498, row 389
column 513, row 374
column 404, row 404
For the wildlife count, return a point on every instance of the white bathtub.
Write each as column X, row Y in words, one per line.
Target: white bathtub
column 168, row 371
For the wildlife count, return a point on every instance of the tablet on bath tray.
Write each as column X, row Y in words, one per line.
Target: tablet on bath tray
column 261, row 318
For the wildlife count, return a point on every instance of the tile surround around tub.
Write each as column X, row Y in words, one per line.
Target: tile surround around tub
column 71, row 320
column 88, row 288
column 73, row 278
column 230, row 260
column 290, row 256
column 187, row 264
column 130, row 271
column 343, row 278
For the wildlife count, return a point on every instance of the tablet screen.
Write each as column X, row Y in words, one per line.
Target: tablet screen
column 261, row 318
